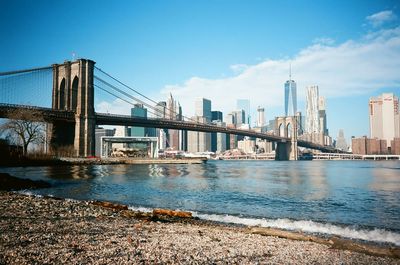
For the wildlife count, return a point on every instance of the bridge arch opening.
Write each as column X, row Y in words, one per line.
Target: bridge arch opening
column 74, row 94
column 62, row 94
column 281, row 130
column 289, row 130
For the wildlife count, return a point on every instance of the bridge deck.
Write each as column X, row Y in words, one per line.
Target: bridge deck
column 125, row 120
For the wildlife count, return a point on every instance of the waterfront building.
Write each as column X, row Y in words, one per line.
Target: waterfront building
column 260, row 117
column 341, row 141
column 244, row 104
column 239, row 117
column 247, row 145
column 99, row 133
column 384, row 117
column 395, row 146
column 263, row 146
column 290, row 96
column 369, row 146
column 121, row 131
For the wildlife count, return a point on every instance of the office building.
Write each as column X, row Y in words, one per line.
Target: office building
column 239, row 117
column 341, row 141
column 172, row 113
column 161, row 110
column 216, row 116
column 138, row 111
column 290, row 96
column 312, row 110
column 230, row 119
column 384, row 117
column 203, row 109
column 218, row 140
column 260, row 117
column 244, row 104
column 199, row 141
column 322, row 116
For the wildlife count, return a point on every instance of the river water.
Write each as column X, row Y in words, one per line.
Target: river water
column 354, row 199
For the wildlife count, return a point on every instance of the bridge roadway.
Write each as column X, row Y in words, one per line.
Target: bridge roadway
column 50, row 115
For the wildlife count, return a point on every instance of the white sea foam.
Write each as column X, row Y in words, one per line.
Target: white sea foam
column 29, row 193
column 140, row 209
column 376, row 235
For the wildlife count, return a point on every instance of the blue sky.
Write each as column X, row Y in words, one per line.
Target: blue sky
column 222, row 50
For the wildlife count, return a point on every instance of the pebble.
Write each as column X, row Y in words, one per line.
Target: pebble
column 44, row 230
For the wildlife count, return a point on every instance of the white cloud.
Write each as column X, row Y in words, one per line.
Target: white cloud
column 238, row 68
column 117, row 106
column 324, row 41
column 349, row 68
column 380, row 18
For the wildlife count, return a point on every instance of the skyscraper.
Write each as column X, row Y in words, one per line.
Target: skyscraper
column 260, row 117
column 138, row 111
column 312, row 110
column 290, row 96
column 171, row 114
column 203, row 108
column 216, row 116
column 384, row 117
column 200, row 141
column 244, row 104
column 322, row 116
column 161, row 109
column 341, row 141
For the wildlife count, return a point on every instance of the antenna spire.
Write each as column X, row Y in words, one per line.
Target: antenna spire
column 290, row 71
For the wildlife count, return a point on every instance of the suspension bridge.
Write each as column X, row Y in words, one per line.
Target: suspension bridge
column 65, row 95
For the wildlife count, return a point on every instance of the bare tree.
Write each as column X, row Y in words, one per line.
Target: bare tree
column 24, row 127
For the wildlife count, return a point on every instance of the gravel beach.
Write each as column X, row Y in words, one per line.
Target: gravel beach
column 36, row 230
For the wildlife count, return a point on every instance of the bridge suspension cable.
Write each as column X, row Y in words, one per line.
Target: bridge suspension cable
column 158, row 111
column 127, row 101
column 25, row 71
column 27, row 87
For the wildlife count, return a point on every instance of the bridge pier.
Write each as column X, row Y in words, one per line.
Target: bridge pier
column 286, row 127
column 73, row 90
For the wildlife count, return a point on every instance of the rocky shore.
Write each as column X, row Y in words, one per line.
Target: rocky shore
column 54, row 231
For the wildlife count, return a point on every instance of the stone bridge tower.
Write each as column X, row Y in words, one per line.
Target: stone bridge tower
column 286, row 127
column 73, row 91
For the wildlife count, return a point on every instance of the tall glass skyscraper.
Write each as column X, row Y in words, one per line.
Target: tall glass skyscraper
column 290, row 96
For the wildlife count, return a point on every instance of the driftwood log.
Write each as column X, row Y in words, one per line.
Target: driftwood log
column 333, row 242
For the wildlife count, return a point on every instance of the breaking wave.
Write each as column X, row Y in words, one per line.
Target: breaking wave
column 375, row 235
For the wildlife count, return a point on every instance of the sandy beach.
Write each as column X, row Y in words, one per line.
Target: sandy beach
column 38, row 230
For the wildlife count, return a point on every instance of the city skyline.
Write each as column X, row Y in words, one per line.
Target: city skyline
column 351, row 56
